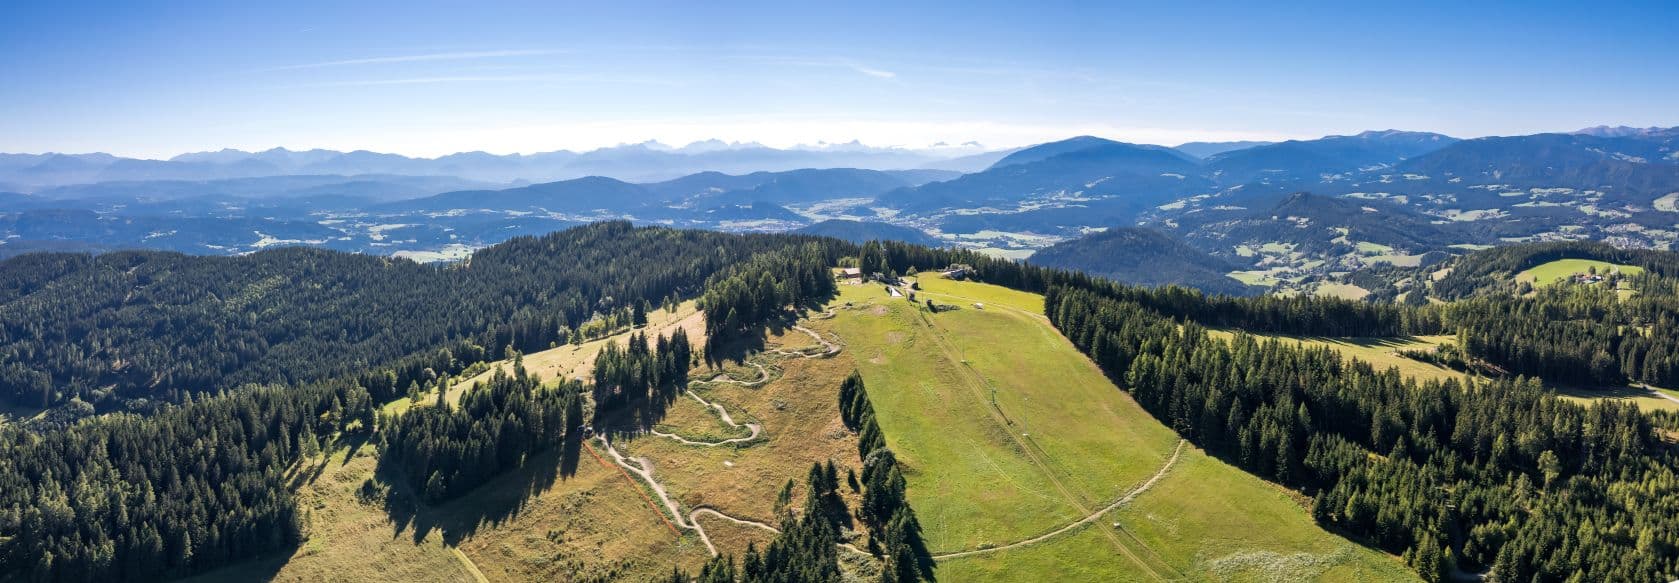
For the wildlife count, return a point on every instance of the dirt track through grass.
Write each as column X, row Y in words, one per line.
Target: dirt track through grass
column 1129, row 496
column 982, row 390
column 721, row 414
column 477, row 576
column 643, row 468
column 691, row 521
column 645, row 475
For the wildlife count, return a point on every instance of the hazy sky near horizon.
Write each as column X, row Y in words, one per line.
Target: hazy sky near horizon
column 155, row 79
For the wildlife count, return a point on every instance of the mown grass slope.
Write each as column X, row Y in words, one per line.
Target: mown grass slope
column 1549, row 273
column 1008, row 434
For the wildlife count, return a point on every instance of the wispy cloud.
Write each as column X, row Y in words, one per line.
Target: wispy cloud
column 491, row 79
column 453, row 56
column 433, row 80
column 873, row 72
column 831, row 62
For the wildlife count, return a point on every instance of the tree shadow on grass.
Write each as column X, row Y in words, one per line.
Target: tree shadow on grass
column 1627, row 393
column 306, row 471
column 737, row 349
column 1394, row 342
column 637, row 416
column 262, row 567
column 491, row 504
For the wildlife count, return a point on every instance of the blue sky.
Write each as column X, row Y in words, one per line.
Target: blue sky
column 428, row 78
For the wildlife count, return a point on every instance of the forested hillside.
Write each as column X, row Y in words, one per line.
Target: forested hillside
column 1494, row 270
column 114, row 329
column 145, row 499
column 860, row 232
column 1143, row 257
column 1497, row 475
column 1306, row 418
column 201, row 484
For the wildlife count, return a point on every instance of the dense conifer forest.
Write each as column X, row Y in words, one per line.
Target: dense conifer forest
column 126, row 498
column 759, row 291
column 1578, row 334
column 1454, row 477
column 133, row 328
column 445, row 450
column 638, row 372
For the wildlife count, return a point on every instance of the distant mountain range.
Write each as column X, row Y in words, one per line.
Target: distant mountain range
column 1631, row 132
column 1263, row 207
column 1205, row 149
column 1321, row 225
column 1101, row 176
column 1087, row 182
column 643, row 162
column 1623, row 167
column 672, row 199
column 1309, row 159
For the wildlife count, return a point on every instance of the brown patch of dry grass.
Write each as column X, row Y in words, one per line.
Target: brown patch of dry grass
column 731, row 537
column 592, row 524
column 799, row 413
column 532, row 524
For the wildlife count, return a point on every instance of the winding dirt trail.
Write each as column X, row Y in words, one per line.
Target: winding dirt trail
column 641, row 467
column 1129, row 496
column 694, row 518
column 830, row 349
column 763, row 377
column 644, row 468
column 721, row 414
